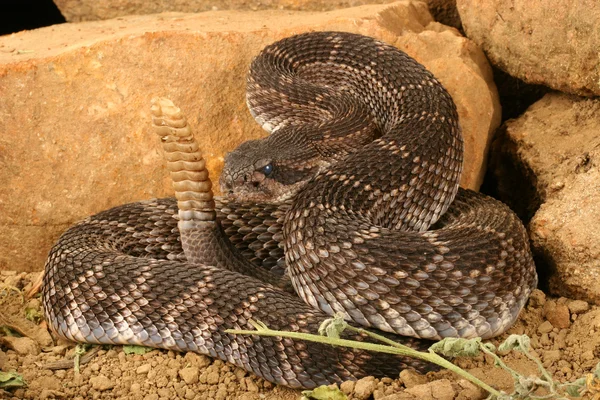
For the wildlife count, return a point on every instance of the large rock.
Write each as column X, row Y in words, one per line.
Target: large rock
column 549, row 158
column 443, row 11
column 550, row 43
column 75, row 104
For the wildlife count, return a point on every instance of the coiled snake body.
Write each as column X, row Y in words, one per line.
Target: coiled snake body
column 364, row 155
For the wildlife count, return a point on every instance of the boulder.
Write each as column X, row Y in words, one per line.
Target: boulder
column 75, row 104
column 550, row 43
column 548, row 162
column 443, row 11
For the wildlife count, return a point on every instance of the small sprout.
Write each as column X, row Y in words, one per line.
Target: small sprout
column 80, row 350
column 133, row 349
column 324, row 393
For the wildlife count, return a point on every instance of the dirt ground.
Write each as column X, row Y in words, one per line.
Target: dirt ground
column 564, row 334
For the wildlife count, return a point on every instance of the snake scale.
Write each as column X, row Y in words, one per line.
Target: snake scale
column 355, row 193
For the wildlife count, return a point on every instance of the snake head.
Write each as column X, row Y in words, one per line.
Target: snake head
column 269, row 170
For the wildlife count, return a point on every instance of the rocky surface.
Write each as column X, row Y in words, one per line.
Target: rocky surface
column 548, row 158
column 567, row 353
column 75, row 104
column 443, row 11
column 555, row 44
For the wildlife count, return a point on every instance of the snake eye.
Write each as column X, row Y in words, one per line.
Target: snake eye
column 267, row 169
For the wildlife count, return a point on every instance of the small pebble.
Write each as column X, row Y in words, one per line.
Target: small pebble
column 190, row 394
column 22, row 345
column 135, row 387
column 143, row 369
column 551, row 356
column 578, row 306
column 537, row 299
column 411, row 378
column 198, row 360
column 470, row 390
column 101, row 383
column 212, row 378
column 557, row 314
column 347, row 387
column 189, row 375
column 545, row 327
column 437, row 390
column 364, row 388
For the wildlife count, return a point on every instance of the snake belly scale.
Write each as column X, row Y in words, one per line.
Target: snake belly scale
column 363, row 159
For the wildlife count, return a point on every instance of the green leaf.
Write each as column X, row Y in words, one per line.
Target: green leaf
column 574, row 388
column 33, row 314
column 133, row 349
column 597, row 371
column 324, row 393
column 11, row 380
column 516, row 342
column 333, row 327
column 457, row 347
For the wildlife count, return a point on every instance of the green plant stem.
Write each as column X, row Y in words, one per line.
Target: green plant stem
column 393, row 348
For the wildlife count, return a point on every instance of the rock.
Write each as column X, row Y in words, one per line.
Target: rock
column 51, row 394
column 557, row 314
column 551, row 356
column 437, row 390
column 200, row 361
column 545, row 327
column 470, row 391
column 189, row 375
column 212, row 378
column 364, row 388
column 444, row 11
column 537, row 298
column 135, row 387
column 399, row 396
column 557, row 49
column 101, row 383
column 90, row 147
column 46, row 382
column 347, row 387
column 21, row 345
column 546, row 160
column 578, row 306
column 412, row 378
column 143, row 369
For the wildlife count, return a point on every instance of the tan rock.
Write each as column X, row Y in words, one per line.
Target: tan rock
column 412, row 378
column 347, row 387
column 556, row 46
column 189, row 375
column 75, row 104
column 557, row 314
column 547, row 158
column 46, row 382
column 364, row 388
column 90, row 10
column 437, row 390
column 101, row 383
column 578, row 306
column 21, row 345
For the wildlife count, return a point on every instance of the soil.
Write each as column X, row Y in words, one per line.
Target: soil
column 565, row 336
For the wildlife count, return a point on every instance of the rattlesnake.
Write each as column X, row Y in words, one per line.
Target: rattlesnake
column 357, row 198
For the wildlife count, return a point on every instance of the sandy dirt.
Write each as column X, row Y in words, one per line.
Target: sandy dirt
column 565, row 335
